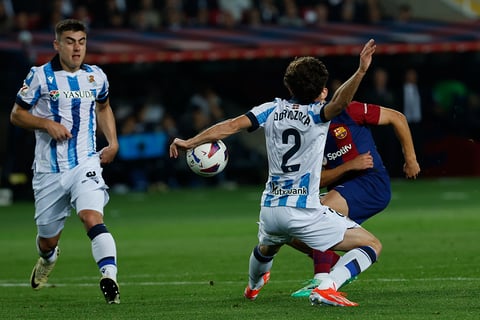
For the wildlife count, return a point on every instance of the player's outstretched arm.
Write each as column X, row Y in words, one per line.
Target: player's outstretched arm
column 344, row 94
column 216, row 132
column 400, row 126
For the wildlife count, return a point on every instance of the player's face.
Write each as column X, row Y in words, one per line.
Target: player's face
column 71, row 48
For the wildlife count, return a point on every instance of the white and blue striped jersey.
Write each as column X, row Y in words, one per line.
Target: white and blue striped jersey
column 295, row 139
column 68, row 98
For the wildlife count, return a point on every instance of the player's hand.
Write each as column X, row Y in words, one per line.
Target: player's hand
column 108, row 153
column 175, row 146
column 362, row 161
column 57, row 131
column 366, row 55
column 411, row 169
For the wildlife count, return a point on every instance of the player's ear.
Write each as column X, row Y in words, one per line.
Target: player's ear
column 55, row 44
column 324, row 93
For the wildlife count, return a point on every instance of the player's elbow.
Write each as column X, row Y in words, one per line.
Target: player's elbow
column 15, row 117
column 395, row 117
column 400, row 117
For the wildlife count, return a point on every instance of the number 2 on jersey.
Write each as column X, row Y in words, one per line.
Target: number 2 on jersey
column 297, row 142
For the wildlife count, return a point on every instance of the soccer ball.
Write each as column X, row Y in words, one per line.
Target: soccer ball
column 208, row 159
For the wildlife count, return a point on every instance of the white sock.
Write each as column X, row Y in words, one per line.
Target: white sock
column 349, row 265
column 257, row 269
column 109, row 271
column 53, row 257
column 103, row 246
column 321, row 276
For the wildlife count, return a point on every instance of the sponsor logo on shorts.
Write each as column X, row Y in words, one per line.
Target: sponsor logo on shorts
column 92, row 175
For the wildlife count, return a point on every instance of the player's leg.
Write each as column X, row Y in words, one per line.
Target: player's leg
column 103, row 246
column 47, row 247
column 51, row 209
column 336, row 201
column 359, row 199
column 261, row 258
column 332, row 230
column 362, row 250
column 89, row 197
column 260, row 263
column 322, row 260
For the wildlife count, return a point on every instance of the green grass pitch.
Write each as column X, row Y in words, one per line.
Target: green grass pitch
column 183, row 254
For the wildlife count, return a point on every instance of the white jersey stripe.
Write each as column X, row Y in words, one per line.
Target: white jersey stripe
column 91, row 131
column 72, row 143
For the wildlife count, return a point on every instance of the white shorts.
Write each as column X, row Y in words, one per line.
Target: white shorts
column 319, row 228
column 56, row 194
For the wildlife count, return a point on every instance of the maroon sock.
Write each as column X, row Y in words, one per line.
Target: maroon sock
column 324, row 261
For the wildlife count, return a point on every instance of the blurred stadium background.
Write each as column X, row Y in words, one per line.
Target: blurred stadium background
column 167, row 59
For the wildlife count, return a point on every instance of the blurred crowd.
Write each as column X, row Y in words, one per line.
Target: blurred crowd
column 434, row 103
column 157, row 15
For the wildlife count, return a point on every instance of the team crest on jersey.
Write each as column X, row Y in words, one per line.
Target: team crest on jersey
column 91, row 79
column 54, row 94
column 340, row 132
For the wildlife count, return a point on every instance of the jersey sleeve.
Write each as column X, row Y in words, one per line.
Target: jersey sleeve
column 253, row 120
column 258, row 115
column 30, row 91
column 364, row 113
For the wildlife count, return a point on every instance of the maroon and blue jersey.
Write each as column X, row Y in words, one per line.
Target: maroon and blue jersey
column 367, row 192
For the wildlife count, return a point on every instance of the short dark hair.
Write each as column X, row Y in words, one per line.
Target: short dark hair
column 306, row 77
column 69, row 25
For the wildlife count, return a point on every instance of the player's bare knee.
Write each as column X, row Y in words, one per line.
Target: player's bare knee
column 90, row 218
column 268, row 250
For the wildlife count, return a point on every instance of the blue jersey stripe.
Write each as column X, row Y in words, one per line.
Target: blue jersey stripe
column 262, row 117
column 54, row 108
column 38, row 94
column 304, row 182
column 282, row 201
column 72, row 143
column 315, row 117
